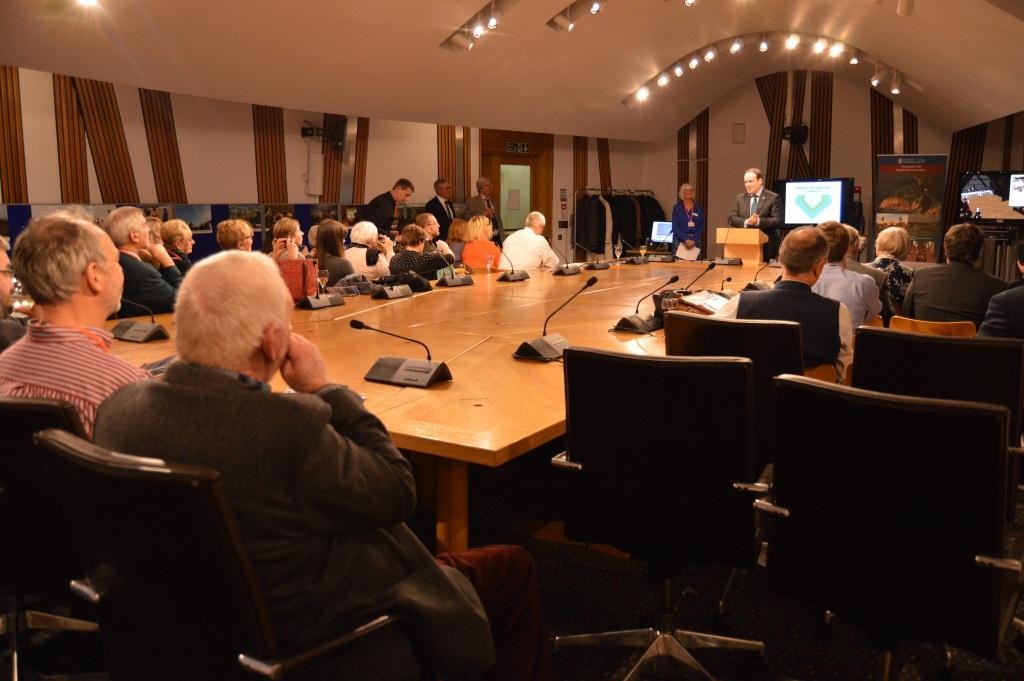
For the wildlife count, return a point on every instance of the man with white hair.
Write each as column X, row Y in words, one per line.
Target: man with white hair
column 527, row 248
column 69, row 267
column 10, row 329
column 148, row 289
column 484, row 203
column 319, row 490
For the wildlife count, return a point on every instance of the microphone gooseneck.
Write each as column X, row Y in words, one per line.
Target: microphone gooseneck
column 711, row 266
column 152, row 317
column 356, row 324
column 760, row 270
column 590, row 282
column 727, row 279
column 674, row 279
column 511, row 266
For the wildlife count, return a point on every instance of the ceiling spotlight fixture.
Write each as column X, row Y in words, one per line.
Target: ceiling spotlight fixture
column 710, row 54
column 819, row 45
column 89, row 3
column 689, row 3
column 792, row 41
column 678, row 70
column 642, row 94
column 762, row 46
column 876, row 78
column 492, row 19
column 663, row 80
column 694, row 62
column 836, row 49
column 595, row 8
column 478, row 29
column 563, row 20
column 736, row 46
column 568, row 17
column 897, row 81
column 855, row 58
column 462, row 40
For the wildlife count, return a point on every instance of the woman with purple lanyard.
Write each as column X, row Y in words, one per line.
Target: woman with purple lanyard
column 687, row 219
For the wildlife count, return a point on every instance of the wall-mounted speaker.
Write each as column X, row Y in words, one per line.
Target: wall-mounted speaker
column 795, row 134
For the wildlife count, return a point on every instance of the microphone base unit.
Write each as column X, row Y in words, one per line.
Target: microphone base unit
column 597, row 266
column 320, row 301
column 634, row 323
column 389, row 292
column 544, row 349
column 758, row 286
column 139, row 332
column 636, row 260
column 567, row 270
column 413, row 373
column 728, row 261
column 457, row 280
column 521, row 275
column 774, row 263
column 664, row 258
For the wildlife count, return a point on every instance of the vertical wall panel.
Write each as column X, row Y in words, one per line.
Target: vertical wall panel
column 683, row 155
column 162, row 139
column 772, row 89
column 798, row 165
column 362, row 145
column 604, row 163
column 71, row 155
column 97, row 104
column 965, row 153
column 268, row 135
column 821, row 124
column 910, row 144
column 1008, row 143
column 467, row 165
column 334, row 158
column 579, row 163
column 700, row 184
column 446, row 163
column 13, row 178
column 881, row 140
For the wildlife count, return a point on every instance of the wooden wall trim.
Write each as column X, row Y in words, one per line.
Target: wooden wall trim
column 107, row 142
column 13, row 177
column 881, row 143
column 71, row 157
column 268, row 135
column 467, row 168
column 362, row 145
column 162, row 138
column 1008, row 142
column 579, row 164
column 798, row 166
column 604, row 162
column 821, row 124
column 772, row 89
column 683, row 155
column 701, row 163
column 446, row 161
column 334, row 158
column 910, row 145
column 966, row 150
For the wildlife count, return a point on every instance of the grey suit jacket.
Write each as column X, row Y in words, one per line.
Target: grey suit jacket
column 769, row 208
column 320, row 494
column 1005, row 314
column 881, row 281
column 950, row 293
column 476, row 206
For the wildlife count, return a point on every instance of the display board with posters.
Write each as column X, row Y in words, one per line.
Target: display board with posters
column 909, row 191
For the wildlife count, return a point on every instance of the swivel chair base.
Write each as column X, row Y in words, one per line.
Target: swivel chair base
column 665, row 641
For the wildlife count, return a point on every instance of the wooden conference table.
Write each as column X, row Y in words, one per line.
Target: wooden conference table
column 496, row 408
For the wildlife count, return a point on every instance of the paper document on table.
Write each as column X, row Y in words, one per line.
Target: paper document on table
column 684, row 253
column 705, row 302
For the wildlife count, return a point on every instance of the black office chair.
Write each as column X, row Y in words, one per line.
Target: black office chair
column 41, row 558
column 170, row 579
column 773, row 346
column 898, row 535
column 978, row 369
column 659, row 491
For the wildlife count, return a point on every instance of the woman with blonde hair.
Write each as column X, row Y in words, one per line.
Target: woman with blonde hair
column 892, row 245
column 177, row 237
column 479, row 248
column 287, row 244
column 234, row 235
column 458, row 235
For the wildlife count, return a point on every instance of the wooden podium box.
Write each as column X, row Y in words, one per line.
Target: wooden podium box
column 742, row 242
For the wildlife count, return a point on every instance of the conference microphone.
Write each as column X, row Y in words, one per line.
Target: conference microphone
column 756, row 285
column 634, row 323
column 592, row 264
column 761, row 270
column 139, row 332
column 415, row 373
column 724, row 282
column 549, row 347
column 711, row 266
column 512, row 275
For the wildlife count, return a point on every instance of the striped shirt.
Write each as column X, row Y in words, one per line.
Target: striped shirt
column 74, row 365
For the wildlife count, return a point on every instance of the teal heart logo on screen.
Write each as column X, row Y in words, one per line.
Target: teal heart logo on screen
column 823, row 201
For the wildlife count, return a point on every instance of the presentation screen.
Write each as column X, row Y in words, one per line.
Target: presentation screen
column 992, row 196
column 811, row 202
column 661, row 232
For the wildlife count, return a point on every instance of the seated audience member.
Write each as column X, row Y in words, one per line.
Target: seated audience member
column 479, row 247
column 429, row 224
column 857, row 291
column 319, row 490
column 70, row 268
column 957, row 290
column 313, row 231
column 853, row 264
column 527, row 248
column 892, row 245
column 458, row 235
column 148, row 289
column 826, row 333
column 10, row 329
column 177, row 238
column 287, row 244
column 234, row 235
column 1005, row 314
column 369, row 252
column 413, row 258
column 330, row 250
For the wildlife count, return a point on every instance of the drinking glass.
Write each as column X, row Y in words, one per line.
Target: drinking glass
column 643, row 249
column 669, row 302
column 321, row 278
column 489, row 263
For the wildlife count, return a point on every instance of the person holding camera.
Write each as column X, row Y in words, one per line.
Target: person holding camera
column 370, row 252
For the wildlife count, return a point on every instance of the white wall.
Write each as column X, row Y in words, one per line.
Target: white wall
column 130, row 107
column 218, row 153
column 37, row 119
column 398, row 149
column 298, row 151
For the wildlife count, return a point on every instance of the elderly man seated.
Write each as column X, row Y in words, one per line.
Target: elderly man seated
column 527, row 248
column 147, row 289
column 320, row 491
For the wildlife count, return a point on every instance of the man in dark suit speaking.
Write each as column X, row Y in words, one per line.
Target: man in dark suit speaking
column 759, row 208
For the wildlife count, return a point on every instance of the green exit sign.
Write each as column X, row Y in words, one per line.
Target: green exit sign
column 517, row 147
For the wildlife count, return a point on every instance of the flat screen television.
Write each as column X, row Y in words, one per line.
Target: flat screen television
column 813, row 201
column 991, row 196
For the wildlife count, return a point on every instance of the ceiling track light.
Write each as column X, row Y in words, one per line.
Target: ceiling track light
column 478, row 28
column 663, row 80
column 493, row 17
column 736, row 46
column 763, row 45
column 837, row 49
column 642, row 94
column 689, row 3
column 876, row 77
column 896, row 84
column 595, row 8
column 855, row 58
column 461, row 40
column 792, row 41
column 88, row 3
column 694, row 62
column 679, row 70
column 820, row 45
column 710, row 54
